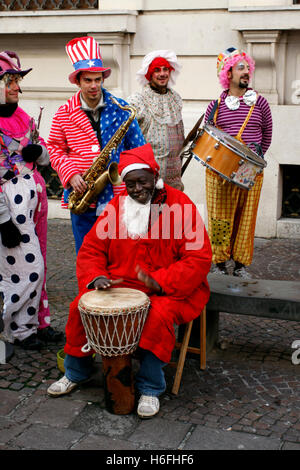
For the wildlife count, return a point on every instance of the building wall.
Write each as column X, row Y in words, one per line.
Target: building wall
column 128, row 29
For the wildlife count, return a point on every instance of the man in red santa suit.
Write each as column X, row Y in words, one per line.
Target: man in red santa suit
column 156, row 242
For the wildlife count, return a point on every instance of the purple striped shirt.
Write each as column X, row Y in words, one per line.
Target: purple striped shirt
column 259, row 127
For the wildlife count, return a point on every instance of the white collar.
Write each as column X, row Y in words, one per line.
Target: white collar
column 86, row 107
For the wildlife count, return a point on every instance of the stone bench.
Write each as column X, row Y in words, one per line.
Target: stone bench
column 6, row 349
column 279, row 300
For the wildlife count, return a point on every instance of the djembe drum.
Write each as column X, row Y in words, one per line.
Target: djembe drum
column 113, row 320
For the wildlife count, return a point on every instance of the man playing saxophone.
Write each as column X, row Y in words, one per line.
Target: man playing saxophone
column 83, row 126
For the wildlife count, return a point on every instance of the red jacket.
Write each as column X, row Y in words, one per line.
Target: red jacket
column 179, row 263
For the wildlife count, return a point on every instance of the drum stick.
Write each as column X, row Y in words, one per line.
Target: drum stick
column 191, row 136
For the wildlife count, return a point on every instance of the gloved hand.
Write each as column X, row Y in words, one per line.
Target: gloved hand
column 31, row 152
column 10, row 234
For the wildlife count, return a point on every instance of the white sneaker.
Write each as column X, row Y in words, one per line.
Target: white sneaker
column 61, row 387
column 242, row 273
column 148, row 406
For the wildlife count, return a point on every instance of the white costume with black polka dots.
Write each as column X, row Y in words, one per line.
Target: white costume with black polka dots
column 22, row 267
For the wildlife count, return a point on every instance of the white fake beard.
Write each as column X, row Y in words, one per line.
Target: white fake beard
column 136, row 217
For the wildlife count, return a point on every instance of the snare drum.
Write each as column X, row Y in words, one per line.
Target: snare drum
column 113, row 320
column 227, row 156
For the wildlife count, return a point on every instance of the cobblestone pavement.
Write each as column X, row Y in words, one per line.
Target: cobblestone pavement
column 247, row 398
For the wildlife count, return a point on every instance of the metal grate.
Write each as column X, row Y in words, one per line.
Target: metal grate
column 9, row 5
column 53, row 184
column 291, row 191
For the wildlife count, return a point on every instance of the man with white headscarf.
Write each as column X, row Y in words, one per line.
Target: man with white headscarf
column 159, row 112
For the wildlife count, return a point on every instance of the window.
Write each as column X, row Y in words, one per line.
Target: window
column 291, row 191
column 14, row 5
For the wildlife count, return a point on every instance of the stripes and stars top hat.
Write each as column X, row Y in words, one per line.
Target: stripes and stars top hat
column 85, row 56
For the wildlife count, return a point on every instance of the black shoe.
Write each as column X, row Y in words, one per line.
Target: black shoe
column 220, row 268
column 49, row 335
column 30, row 343
column 9, row 351
column 242, row 272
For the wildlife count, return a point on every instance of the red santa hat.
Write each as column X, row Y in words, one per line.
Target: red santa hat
column 137, row 159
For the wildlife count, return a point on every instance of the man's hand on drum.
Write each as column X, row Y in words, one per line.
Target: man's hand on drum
column 148, row 280
column 103, row 282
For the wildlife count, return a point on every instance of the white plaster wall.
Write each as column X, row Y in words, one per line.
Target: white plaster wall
column 197, row 31
column 259, row 3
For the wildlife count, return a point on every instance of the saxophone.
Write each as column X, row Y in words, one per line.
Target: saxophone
column 97, row 176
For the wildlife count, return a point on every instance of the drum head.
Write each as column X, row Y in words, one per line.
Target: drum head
column 111, row 299
column 235, row 145
column 113, row 320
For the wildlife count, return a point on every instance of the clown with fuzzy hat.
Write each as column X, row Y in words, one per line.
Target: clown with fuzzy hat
column 23, row 216
column 244, row 114
column 159, row 112
column 83, row 126
column 157, row 244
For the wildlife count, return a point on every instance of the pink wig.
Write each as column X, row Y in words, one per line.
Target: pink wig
column 231, row 62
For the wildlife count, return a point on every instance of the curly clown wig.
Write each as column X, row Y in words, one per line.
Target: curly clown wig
column 228, row 59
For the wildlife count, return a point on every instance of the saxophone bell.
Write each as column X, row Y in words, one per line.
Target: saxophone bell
column 111, row 175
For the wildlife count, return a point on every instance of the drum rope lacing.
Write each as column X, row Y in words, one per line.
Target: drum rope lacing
column 114, row 333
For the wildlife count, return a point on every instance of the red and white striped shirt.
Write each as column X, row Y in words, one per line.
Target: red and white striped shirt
column 73, row 144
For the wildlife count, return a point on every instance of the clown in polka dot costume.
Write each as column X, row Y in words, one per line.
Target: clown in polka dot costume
column 22, row 267
column 23, row 216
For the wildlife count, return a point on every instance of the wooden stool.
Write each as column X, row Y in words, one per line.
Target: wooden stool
column 184, row 348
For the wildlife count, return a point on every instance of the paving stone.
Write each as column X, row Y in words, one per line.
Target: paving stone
column 9, row 429
column 30, row 401
column 4, row 384
column 160, row 432
column 94, row 442
column 16, row 386
column 8, row 401
column 291, row 446
column 204, row 438
column 96, row 420
column 38, row 437
column 57, row 412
